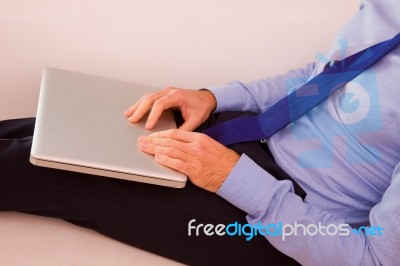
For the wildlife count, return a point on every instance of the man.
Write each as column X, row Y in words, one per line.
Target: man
column 346, row 163
column 344, row 154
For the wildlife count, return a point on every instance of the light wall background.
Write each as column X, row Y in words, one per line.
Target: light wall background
column 186, row 43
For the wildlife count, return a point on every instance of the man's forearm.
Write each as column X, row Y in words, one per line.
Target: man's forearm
column 271, row 202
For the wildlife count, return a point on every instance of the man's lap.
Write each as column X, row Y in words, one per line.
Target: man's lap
column 147, row 216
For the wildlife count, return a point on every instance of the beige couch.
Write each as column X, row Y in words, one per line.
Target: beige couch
column 176, row 42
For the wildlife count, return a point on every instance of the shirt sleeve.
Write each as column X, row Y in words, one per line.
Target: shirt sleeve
column 269, row 201
column 257, row 96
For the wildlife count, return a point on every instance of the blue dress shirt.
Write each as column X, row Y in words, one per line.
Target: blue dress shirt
column 345, row 153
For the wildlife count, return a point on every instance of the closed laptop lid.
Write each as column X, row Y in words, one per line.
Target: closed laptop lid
column 80, row 126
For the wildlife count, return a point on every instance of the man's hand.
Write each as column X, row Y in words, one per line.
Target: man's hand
column 195, row 106
column 206, row 162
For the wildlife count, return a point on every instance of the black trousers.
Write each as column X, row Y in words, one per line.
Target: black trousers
column 149, row 217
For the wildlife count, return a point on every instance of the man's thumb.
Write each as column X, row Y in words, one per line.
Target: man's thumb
column 189, row 125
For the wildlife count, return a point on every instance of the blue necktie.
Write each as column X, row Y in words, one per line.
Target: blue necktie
column 300, row 101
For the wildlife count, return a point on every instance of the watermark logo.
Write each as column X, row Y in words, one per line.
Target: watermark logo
column 279, row 230
column 355, row 107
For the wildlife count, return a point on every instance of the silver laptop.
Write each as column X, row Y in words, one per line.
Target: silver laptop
column 80, row 127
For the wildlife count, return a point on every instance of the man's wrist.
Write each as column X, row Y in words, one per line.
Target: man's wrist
column 211, row 99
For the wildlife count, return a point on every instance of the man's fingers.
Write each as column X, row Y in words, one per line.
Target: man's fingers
column 175, row 164
column 158, row 107
column 141, row 110
column 132, row 109
column 169, row 151
column 136, row 111
column 176, row 134
column 164, row 142
column 168, row 156
column 189, row 125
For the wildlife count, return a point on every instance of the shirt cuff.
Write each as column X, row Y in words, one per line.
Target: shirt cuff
column 229, row 97
column 249, row 186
